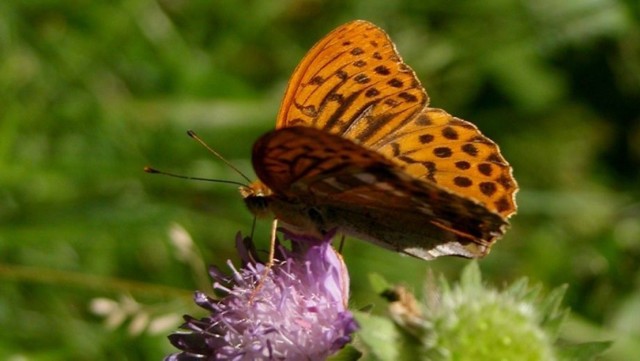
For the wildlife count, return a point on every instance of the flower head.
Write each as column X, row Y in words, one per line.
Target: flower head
column 469, row 321
column 294, row 310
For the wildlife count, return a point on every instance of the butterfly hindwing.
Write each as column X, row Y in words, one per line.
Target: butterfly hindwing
column 451, row 152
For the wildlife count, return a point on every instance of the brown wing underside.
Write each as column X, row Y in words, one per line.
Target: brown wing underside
column 365, row 194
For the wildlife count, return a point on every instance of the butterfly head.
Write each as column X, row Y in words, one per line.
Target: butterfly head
column 256, row 197
column 294, row 216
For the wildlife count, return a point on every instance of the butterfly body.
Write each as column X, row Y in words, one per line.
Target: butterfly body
column 356, row 150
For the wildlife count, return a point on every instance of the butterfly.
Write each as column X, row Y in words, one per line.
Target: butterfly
column 357, row 150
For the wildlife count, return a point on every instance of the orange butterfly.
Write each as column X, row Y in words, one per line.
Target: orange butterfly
column 357, row 150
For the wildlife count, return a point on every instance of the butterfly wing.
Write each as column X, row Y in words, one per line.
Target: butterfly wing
column 363, row 193
column 451, row 152
column 353, row 83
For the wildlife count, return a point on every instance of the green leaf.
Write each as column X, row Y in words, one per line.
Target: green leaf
column 519, row 288
column 348, row 353
column 553, row 314
column 471, row 279
column 582, row 351
column 378, row 283
column 383, row 340
column 378, row 335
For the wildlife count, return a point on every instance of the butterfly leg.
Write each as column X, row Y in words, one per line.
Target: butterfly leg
column 272, row 244
column 269, row 264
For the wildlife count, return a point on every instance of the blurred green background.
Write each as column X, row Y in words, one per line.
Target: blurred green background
column 90, row 92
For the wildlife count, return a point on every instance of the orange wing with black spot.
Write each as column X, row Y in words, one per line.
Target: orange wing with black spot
column 353, row 83
column 368, row 107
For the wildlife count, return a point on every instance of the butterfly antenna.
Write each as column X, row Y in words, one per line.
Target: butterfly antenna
column 193, row 135
column 155, row 171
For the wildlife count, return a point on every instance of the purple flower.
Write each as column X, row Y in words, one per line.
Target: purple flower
column 296, row 310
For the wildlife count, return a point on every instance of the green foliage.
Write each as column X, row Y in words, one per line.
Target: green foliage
column 470, row 321
column 348, row 353
column 91, row 92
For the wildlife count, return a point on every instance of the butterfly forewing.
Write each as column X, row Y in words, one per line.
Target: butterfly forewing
column 285, row 158
column 353, row 83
